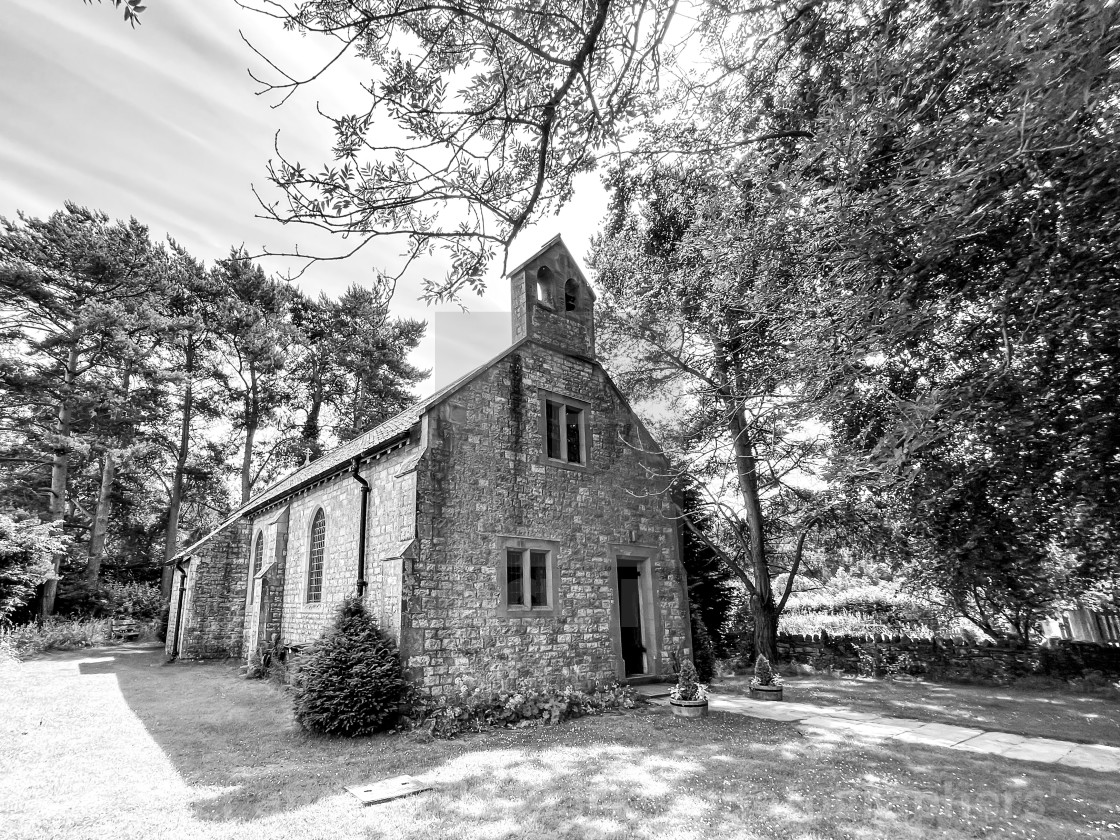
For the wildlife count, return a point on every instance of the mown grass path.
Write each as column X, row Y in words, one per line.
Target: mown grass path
column 113, row 743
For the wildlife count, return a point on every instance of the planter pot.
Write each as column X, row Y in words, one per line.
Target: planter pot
column 766, row 692
column 689, row 708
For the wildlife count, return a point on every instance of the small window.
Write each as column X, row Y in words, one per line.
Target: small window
column 255, row 566
column 565, row 432
column 528, row 579
column 571, row 295
column 315, row 561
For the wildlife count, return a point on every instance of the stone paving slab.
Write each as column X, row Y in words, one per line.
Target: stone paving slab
column 883, row 727
column 826, row 723
column 991, row 743
column 849, row 714
column 1040, row 749
column 938, row 735
column 1093, row 757
column 769, row 711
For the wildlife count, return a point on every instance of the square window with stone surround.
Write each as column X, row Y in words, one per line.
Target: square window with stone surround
column 564, row 430
column 526, row 577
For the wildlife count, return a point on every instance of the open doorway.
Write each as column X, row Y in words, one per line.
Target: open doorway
column 637, row 622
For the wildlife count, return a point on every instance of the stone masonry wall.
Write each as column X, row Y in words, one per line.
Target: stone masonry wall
column 390, row 529
column 546, row 320
column 214, row 603
column 487, row 479
column 947, row 658
column 264, row 612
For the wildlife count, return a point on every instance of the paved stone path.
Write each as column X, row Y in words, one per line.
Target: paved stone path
column 816, row 720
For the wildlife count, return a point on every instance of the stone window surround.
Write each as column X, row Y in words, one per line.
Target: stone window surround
column 584, row 426
column 310, row 549
column 508, row 542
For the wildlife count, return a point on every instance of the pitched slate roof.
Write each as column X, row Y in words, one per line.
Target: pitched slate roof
column 337, row 458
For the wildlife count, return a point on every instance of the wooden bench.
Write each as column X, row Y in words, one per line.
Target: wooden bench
column 124, row 628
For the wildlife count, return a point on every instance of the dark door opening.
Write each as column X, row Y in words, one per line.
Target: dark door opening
column 630, row 620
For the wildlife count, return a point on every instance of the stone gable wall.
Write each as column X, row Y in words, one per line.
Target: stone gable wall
column 487, row 479
column 214, row 603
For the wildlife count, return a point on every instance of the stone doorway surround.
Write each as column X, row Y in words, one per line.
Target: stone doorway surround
column 640, row 558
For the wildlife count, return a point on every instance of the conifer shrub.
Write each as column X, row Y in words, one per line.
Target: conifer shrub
column 703, row 651
column 350, row 682
column 688, row 687
column 764, row 672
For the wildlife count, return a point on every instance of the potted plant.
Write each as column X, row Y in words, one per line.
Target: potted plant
column 688, row 698
column 766, row 685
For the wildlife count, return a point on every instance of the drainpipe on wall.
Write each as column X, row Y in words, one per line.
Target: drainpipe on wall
column 357, row 462
column 179, row 609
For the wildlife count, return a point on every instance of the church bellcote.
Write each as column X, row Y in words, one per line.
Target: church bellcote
column 553, row 302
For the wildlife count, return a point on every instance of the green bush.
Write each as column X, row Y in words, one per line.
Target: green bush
column 137, row 600
column 26, row 548
column 26, row 640
column 350, row 682
column 703, row 651
column 475, row 710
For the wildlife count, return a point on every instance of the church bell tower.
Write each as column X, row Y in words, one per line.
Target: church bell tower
column 552, row 301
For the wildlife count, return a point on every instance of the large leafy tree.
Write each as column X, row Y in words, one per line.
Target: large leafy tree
column 478, row 118
column 702, row 305
column 963, row 158
column 255, row 341
column 77, row 290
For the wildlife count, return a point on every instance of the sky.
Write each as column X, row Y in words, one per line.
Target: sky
column 163, row 122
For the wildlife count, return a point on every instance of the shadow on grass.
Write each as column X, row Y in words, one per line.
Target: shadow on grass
column 635, row 775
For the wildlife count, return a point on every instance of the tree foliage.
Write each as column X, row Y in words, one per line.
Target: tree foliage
column 124, row 363
column 950, row 172
column 702, row 306
column 478, row 118
column 27, row 549
column 961, row 158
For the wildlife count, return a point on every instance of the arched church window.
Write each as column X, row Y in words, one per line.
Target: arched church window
column 571, row 295
column 255, row 566
column 315, row 560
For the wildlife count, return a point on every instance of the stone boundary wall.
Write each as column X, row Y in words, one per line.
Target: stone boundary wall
column 890, row 655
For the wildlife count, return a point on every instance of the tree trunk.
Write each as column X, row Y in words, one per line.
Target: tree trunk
column 252, row 414
column 311, row 430
column 60, row 467
column 101, row 510
column 247, row 462
column 765, row 629
column 763, row 608
column 171, row 542
column 100, row 520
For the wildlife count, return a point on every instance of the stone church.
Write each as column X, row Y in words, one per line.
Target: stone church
column 510, row 529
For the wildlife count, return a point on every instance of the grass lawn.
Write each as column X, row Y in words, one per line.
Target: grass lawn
column 112, row 743
column 1066, row 715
